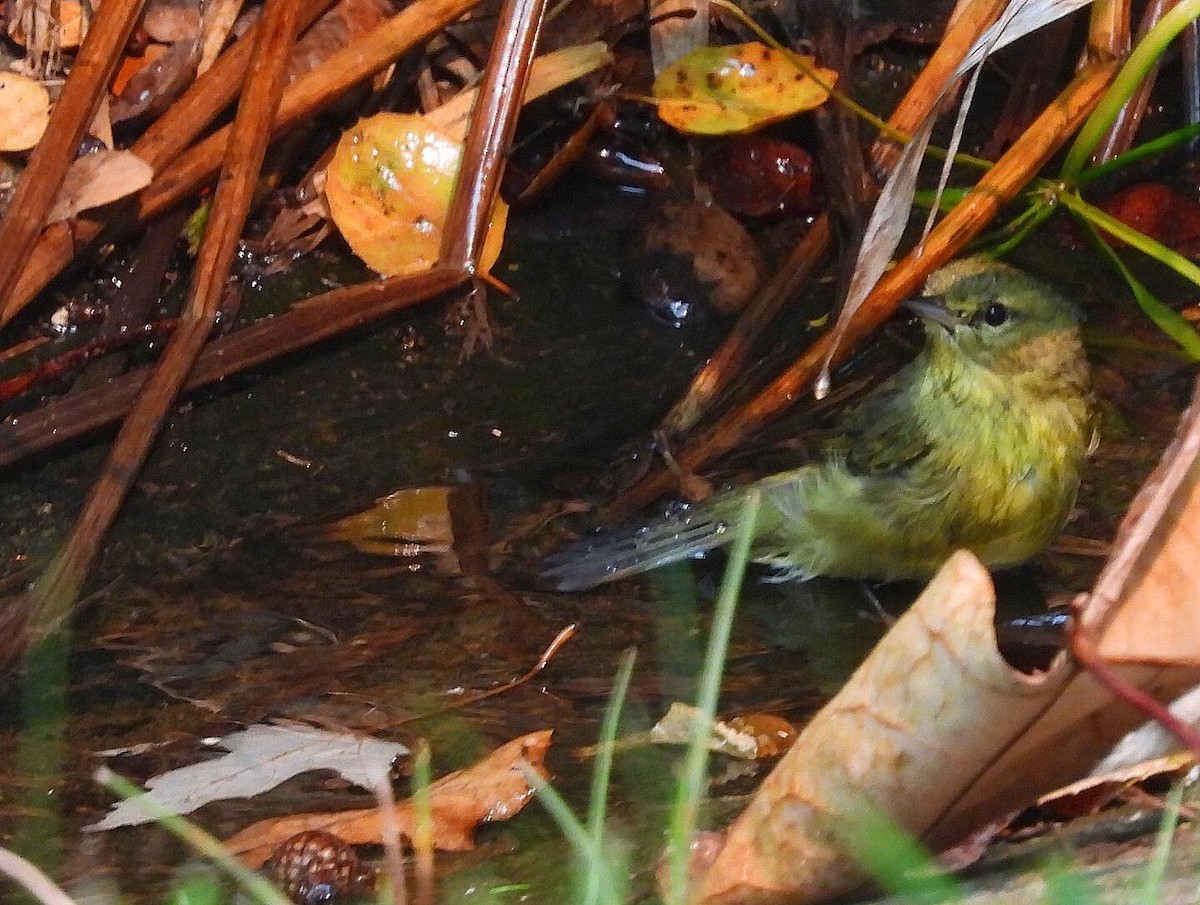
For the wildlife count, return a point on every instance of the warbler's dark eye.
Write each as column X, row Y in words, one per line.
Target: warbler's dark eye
column 995, row 315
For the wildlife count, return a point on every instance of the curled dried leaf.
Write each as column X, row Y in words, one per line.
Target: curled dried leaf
column 24, row 110
column 98, row 179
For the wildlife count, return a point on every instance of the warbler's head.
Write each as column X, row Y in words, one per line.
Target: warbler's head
column 997, row 316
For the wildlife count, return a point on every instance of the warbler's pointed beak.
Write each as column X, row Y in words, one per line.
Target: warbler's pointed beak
column 932, row 309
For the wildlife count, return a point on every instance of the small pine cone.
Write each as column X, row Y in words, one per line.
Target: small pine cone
column 315, row 866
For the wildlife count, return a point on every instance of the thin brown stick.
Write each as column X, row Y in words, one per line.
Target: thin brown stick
column 1121, row 133
column 998, row 186
column 40, row 182
column 310, row 322
column 493, row 117
column 314, row 91
column 970, row 19
column 799, row 265
column 1108, row 29
column 50, row 601
column 1087, row 655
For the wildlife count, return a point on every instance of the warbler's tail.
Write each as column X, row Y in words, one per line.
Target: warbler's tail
column 629, row 551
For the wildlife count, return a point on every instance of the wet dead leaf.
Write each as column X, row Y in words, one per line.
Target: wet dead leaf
column 98, row 179
column 389, row 186
column 258, row 759
column 1144, row 608
column 738, row 88
column 1090, row 795
column 492, row 789
column 934, row 730
column 24, row 109
column 155, row 85
column 448, row 521
column 679, row 724
column 131, row 66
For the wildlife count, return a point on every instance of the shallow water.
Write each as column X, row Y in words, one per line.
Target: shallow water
column 219, row 605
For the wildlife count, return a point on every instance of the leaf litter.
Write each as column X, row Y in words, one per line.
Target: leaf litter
column 258, row 759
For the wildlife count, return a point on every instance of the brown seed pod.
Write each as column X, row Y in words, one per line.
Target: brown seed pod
column 316, row 866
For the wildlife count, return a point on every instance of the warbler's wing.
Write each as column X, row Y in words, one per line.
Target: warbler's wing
column 881, row 434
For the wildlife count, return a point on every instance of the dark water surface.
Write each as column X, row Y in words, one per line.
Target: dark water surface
column 219, row 605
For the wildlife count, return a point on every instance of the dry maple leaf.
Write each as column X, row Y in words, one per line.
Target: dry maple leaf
column 492, row 789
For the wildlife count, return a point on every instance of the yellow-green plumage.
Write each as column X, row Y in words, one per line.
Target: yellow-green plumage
column 977, row 443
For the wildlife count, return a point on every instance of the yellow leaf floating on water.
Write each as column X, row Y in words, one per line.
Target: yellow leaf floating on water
column 389, row 185
column 737, row 88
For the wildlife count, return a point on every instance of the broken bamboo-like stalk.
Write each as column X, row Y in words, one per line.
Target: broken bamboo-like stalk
column 50, row 600
column 39, row 184
column 1109, row 29
column 189, row 170
column 969, row 20
column 995, row 189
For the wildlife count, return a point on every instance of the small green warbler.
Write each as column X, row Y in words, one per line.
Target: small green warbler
column 977, row 443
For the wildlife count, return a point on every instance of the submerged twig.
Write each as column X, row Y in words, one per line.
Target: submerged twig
column 51, row 598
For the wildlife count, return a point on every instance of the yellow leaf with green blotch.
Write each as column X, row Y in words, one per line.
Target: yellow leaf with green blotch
column 738, row 88
column 389, row 185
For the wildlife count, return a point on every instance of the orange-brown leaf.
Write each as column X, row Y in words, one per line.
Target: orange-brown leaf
column 492, row 789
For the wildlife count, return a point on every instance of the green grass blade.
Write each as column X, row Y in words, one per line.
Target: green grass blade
column 602, row 772
column 1140, row 61
column 897, row 861
column 1065, row 886
column 1165, row 318
column 1156, row 870
column 1139, row 240
column 685, row 813
column 1148, row 149
column 254, row 883
column 580, row 840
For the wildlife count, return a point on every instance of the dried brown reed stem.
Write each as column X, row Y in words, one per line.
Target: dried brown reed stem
column 998, row 186
column 188, row 170
column 1108, row 29
column 804, row 258
column 1121, row 133
column 970, row 20
column 39, row 184
column 50, row 600
column 163, row 140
